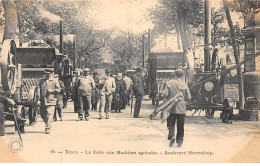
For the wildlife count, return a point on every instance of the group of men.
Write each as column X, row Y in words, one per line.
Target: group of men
column 111, row 92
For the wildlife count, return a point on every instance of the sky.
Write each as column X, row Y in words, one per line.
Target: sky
column 130, row 14
column 125, row 15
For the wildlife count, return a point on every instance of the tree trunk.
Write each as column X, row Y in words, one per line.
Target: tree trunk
column 183, row 26
column 236, row 55
column 11, row 22
column 11, row 19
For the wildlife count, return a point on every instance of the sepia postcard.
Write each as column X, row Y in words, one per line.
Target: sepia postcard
column 129, row 81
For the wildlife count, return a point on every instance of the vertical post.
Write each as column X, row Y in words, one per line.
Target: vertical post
column 207, row 33
column 143, row 50
column 61, row 37
column 149, row 40
column 2, row 123
column 74, row 53
column 236, row 55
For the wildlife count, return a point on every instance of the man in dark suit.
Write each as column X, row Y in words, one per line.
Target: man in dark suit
column 138, row 90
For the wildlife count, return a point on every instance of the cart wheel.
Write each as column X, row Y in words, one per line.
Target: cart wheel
column 9, row 66
column 32, row 99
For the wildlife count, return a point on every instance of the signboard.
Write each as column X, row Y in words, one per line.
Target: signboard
column 231, row 91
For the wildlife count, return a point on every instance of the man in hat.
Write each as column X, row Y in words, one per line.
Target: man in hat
column 129, row 85
column 59, row 97
column 109, row 89
column 138, row 90
column 48, row 88
column 118, row 102
column 95, row 92
column 85, row 86
column 75, row 90
column 177, row 115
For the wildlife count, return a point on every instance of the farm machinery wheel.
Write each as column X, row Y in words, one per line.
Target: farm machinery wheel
column 9, row 66
column 33, row 107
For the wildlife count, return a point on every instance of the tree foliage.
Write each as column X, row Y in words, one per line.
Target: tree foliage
column 164, row 14
column 40, row 20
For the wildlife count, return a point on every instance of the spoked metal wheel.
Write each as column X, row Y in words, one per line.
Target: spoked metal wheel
column 9, row 66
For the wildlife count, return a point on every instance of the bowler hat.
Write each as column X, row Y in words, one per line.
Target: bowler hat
column 138, row 69
column 108, row 71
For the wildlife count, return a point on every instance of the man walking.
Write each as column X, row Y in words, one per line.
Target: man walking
column 129, row 84
column 59, row 97
column 85, row 86
column 48, row 88
column 138, row 90
column 172, row 88
column 75, row 91
column 95, row 92
column 109, row 87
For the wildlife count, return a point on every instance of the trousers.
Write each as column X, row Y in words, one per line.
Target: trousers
column 171, row 120
column 84, row 105
column 109, row 99
column 58, row 108
column 47, row 115
column 138, row 103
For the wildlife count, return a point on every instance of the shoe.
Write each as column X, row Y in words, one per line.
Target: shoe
column 54, row 119
column 79, row 118
column 137, row 117
column 171, row 142
column 170, row 137
column 99, row 118
column 33, row 123
column 60, row 119
column 86, row 118
column 107, row 116
column 119, row 111
column 179, row 145
column 47, row 131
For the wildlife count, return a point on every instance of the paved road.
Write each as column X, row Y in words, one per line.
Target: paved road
column 125, row 139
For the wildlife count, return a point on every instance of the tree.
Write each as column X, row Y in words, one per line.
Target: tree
column 41, row 19
column 126, row 49
column 174, row 16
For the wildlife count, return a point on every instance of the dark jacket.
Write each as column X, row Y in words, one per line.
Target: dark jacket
column 138, row 85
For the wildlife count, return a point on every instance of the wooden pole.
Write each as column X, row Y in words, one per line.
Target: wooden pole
column 207, row 35
column 149, row 40
column 236, row 55
column 2, row 122
column 143, row 50
column 61, row 37
column 74, row 53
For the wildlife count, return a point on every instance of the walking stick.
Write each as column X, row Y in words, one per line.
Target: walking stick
column 132, row 96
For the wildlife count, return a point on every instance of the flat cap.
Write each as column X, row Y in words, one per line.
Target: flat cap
column 120, row 74
column 86, row 69
column 49, row 70
column 55, row 75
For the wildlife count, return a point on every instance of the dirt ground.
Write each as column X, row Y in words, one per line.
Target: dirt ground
column 123, row 139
